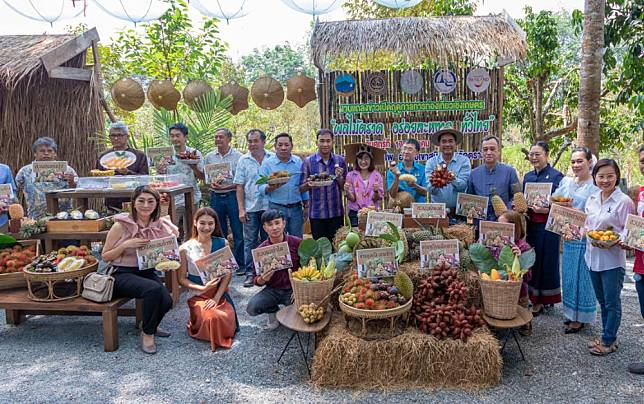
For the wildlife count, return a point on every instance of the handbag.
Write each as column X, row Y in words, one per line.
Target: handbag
column 98, row 287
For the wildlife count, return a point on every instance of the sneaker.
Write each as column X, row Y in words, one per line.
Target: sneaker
column 248, row 283
column 272, row 322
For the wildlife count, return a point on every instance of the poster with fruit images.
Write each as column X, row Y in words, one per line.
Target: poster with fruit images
column 438, row 252
column 218, row 173
column 566, row 222
column 428, row 211
column 495, row 234
column 274, row 257
column 537, row 194
column 157, row 251
column 471, row 206
column 377, row 222
column 6, row 195
column 163, row 155
column 216, row 265
column 634, row 232
column 376, row 263
column 49, row 171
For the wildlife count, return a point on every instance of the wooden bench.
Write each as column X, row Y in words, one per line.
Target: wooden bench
column 17, row 306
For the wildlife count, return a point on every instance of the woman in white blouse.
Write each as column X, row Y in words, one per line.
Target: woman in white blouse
column 607, row 208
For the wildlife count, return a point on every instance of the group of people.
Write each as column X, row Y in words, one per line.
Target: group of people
column 260, row 215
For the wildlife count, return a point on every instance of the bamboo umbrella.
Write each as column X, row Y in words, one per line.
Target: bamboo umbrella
column 267, row 93
column 128, row 94
column 238, row 94
column 300, row 89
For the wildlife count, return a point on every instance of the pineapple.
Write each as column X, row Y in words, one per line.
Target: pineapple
column 497, row 203
column 518, row 200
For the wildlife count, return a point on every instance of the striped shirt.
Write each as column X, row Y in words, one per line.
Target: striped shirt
column 326, row 202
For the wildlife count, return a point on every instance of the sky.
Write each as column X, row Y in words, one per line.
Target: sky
column 269, row 24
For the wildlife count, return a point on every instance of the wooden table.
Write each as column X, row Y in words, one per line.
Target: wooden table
column 290, row 318
column 82, row 196
column 524, row 316
column 17, row 306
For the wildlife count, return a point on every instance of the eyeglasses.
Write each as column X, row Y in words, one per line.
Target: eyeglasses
column 535, row 154
column 118, row 135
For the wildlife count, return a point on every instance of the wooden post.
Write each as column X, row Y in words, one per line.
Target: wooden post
column 110, row 331
column 99, row 79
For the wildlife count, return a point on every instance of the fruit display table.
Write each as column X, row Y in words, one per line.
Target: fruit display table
column 524, row 316
column 17, row 306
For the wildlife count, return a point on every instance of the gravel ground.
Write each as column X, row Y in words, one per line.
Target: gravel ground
column 58, row 359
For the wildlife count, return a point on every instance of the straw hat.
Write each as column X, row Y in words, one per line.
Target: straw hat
column 353, row 149
column 128, row 94
column 436, row 137
column 194, row 90
column 239, row 96
column 162, row 94
column 267, row 93
column 300, row 89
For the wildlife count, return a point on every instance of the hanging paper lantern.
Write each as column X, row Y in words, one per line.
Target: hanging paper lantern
column 45, row 10
column 300, row 89
column 162, row 94
column 398, row 3
column 128, row 94
column 223, row 9
column 314, row 7
column 238, row 94
column 192, row 94
column 135, row 11
column 267, row 93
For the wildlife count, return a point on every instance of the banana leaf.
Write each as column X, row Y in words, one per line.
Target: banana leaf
column 7, row 241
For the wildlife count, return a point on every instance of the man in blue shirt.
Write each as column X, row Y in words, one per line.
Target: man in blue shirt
column 286, row 197
column 408, row 165
column 6, row 177
column 446, row 140
column 492, row 175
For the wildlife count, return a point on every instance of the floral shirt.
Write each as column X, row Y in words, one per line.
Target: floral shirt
column 362, row 191
column 187, row 176
column 35, row 191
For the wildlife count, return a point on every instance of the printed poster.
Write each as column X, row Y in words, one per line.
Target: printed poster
column 472, row 206
column 567, row 222
column 6, row 195
column 437, row 252
column 376, row 262
column 161, row 155
column 49, row 171
column 537, row 194
column 158, row 251
column 377, row 222
column 428, row 211
column 218, row 173
column 634, row 232
column 274, row 257
column 216, row 265
column 495, row 234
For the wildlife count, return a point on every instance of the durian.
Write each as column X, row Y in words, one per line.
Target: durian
column 76, row 214
column 404, row 284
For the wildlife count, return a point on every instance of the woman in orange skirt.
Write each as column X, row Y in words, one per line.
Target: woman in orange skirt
column 212, row 313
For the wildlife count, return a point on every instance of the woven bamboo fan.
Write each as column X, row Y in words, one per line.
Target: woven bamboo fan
column 193, row 91
column 128, row 94
column 300, row 89
column 267, row 93
column 376, row 83
column 239, row 96
column 162, row 94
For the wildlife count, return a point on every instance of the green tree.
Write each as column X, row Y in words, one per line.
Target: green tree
column 364, row 9
column 280, row 62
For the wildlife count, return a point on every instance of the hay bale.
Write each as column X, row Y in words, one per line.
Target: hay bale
column 410, row 360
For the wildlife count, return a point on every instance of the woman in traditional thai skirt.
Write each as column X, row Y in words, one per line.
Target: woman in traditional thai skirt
column 544, row 285
column 579, row 300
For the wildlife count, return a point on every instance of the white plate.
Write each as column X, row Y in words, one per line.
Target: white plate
column 127, row 157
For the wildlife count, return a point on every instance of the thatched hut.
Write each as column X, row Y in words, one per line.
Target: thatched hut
column 378, row 102
column 46, row 89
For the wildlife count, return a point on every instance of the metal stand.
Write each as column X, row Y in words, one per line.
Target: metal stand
column 304, row 353
column 512, row 332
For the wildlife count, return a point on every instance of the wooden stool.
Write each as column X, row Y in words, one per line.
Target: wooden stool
column 291, row 319
column 524, row 316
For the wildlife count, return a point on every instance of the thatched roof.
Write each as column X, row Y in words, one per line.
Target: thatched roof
column 417, row 39
column 20, row 54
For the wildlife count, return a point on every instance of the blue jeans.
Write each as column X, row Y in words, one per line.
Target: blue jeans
column 267, row 301
column 253, row 235
column 294, row 218
column 639, row 286
column 608, row 288
column 226, row 207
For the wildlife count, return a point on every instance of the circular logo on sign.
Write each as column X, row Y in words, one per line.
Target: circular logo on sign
column 411, row 82
column 478, row 80
column 345, row 84
column 444, row 81
column 376, row 83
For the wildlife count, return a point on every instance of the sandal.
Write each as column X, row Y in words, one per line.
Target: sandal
column 574, row 330
column 603, row 350
column 593, row 343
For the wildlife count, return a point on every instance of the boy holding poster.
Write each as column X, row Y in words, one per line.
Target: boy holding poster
column 277, row 285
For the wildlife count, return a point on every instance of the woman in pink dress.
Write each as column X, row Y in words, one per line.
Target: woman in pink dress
column 364, row 185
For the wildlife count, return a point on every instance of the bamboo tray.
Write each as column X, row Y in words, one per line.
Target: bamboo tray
column 56, row 286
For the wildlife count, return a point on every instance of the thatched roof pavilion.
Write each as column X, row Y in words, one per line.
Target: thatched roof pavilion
column 47, row 90
column 493, row 38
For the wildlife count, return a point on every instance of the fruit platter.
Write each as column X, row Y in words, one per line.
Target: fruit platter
column 322, row 179
column 66, row 259
column 118, row 159
column 189, row 157
column 603, row 238
column 562, row 200
column 381, row 298
column 275, row 178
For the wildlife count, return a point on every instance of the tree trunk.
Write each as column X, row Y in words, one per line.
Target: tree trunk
column 592, row 49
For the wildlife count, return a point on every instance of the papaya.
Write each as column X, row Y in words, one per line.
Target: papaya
column 494, row 275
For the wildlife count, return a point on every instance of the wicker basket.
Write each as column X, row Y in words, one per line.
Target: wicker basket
column 310, row 292
column 56, row 286
column 375, row 314
column 500, row 298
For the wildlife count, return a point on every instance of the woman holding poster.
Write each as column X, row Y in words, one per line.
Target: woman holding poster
column 544, row 285
column 579, row 300
column 212, row 313
column 130, row 232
